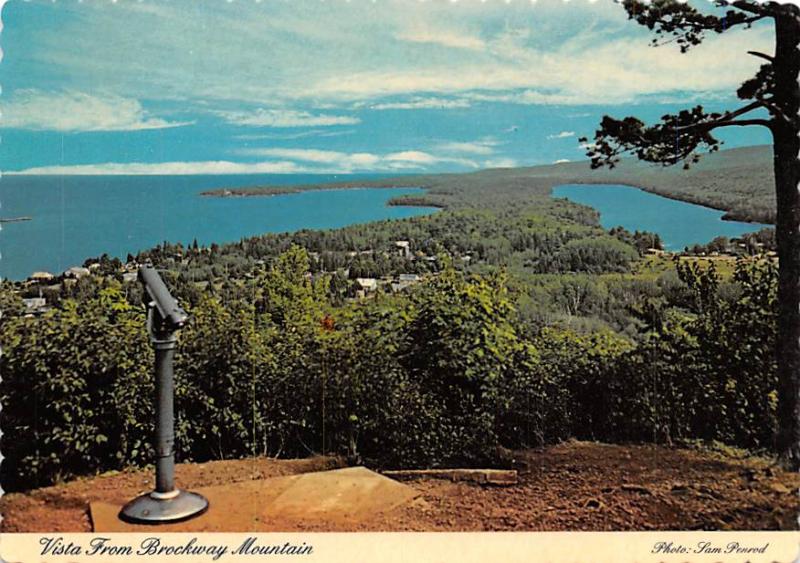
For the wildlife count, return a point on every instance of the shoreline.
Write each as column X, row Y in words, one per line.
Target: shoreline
column 549, row 175
column 16, row 219
column 397, row 201
column 270, row 191
column 727, row 215
column 267, row 191
column 527, row 187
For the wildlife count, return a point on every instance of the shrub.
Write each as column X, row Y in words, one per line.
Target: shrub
column 437, row 377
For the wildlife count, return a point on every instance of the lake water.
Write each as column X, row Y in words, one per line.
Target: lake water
column 77, row 217
column 679, row 224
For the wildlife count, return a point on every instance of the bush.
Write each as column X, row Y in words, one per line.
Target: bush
column 437, row 377
column 76, row 391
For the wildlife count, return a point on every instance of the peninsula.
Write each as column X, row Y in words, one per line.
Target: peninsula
column 737, row 181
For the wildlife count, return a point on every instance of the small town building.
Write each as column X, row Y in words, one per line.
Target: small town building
column 405, row 281
column 35, row 305
column 77, row 272
column 404, row 247
column 365, row 286
column 34, row 302
column 41, row 276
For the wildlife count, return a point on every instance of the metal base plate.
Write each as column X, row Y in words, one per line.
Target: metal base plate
column 148, row 510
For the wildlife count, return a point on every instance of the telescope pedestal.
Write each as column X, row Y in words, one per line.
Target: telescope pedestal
column 166, row 503
column 161, row 508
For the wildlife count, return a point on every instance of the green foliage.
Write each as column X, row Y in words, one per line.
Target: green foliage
column 459, row 348
column 220, row 393
column 641, row 240
column 708, row 371
column 75, row 391
column 595, row 254
column 440, row 375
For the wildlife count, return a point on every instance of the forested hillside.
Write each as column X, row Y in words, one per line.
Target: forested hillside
column 506, row 319
column 738, row 181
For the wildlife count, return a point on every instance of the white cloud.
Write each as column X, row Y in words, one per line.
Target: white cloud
column 291, row 161
column 562, row 135
column 293, row 135
column 500, row 163
column 484, row 146
column 168, row 168
column 525, row 97
column 424, row 103
column 342, row 162
column 615, row 71
column 76, row 111
column 450, row 38
column 285, row 118
column 276, row 53
column 422, row 158
column 412, row 156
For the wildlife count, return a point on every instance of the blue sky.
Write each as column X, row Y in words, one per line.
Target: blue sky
column 337, row 86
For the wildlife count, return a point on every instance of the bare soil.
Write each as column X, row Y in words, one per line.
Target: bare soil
column 571, row 486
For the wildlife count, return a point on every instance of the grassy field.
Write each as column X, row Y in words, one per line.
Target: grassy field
column 653, row 266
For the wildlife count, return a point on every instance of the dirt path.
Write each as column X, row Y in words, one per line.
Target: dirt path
column 572, row 486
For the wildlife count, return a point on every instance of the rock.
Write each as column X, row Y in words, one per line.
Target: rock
column 750, row 475
column 679, row 488
column 642, row 490
column 780, row 488
column 593, row 504
column 709, row 491
column 504, row 477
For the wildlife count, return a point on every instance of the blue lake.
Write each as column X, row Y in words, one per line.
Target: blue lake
column 77, row 217
column 679, row 224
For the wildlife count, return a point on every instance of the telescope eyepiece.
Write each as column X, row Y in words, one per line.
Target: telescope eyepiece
column 167, row 307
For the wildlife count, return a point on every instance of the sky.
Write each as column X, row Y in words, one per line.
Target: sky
column 338, row 86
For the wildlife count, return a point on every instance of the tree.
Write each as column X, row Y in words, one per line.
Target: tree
column 774, row 94
column 459, row 347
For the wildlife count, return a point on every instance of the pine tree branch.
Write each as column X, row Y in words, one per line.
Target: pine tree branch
column 676, row 138
column 752, row 7
column 761, row 55
column 709, row 125
column 747, row 6
column 776, row 111
column 744, row 109
column 728, row 119
column 687, row 25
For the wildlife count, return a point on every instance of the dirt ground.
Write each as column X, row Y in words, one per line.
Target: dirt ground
column 572, row 486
